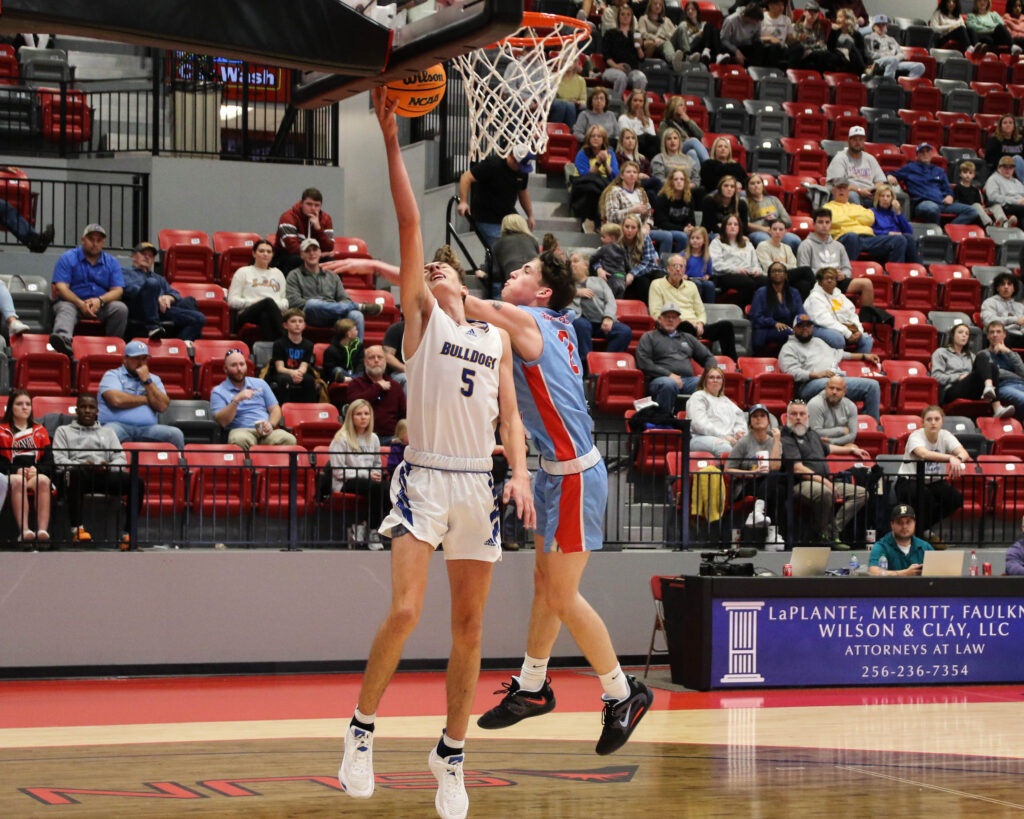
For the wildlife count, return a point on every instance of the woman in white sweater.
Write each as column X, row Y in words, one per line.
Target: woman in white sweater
column 716, row 423
column 734, row 261
column 257, row 293
column 835, row 316
column 356, row 469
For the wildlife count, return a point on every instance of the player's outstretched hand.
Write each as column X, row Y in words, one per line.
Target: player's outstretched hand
column 385, row 109
column 518, row 489
column 354, row 266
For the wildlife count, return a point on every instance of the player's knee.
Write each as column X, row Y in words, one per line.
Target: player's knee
column 405, row 614
column 467, row 630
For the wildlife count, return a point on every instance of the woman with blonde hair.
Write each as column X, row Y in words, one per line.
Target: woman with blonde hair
column 628, row 150
column 356, row 469
column 514, row 248
column 672, row 157
column 764, row 209
column 642, row 259
column 676, row 116
column 888, row 220
column 720, row 164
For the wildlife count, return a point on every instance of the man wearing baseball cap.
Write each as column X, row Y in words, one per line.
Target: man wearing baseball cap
column 89, row 284
column 885, row 52
column 931, row 195
column 131, row 397
column 152, row 300
column 1005, row 189
column 857, row 165
column 665, row 355
column 901, row 548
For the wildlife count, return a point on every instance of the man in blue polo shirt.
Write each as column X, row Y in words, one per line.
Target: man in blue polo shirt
column 89, row 284
column 131, row 397
column 247, row 407
column 903, row 551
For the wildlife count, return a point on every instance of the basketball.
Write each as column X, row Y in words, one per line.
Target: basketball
column 419, row 93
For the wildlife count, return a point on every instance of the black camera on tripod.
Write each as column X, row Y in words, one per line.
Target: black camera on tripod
column 719, row 564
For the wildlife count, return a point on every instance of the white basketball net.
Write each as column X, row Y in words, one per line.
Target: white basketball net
column 510, row 86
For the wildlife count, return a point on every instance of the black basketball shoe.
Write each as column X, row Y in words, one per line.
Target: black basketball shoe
column 620, row 718
column 517, row 705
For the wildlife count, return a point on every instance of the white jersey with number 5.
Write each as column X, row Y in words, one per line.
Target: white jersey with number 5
column 452, row 386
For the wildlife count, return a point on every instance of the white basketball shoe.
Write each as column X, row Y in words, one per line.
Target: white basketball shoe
column 356, row 772
column 451, row 800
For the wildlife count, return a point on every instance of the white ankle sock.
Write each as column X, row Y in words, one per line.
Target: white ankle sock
column 533, row 673
column 366, row 719
column 615, row 684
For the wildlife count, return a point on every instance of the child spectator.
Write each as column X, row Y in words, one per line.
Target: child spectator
column 967, row 193
column 398, row 444
column 343, row 358
column 610, row 261
column 698, row 264
column 292, row 375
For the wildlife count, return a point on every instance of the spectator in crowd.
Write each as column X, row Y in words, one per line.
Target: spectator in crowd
column 1005, row 190
column 967, row 193
column 805, row 455
column 596, row 113
column 497, row 183
column 675, row 209
column 810, row 49
column 772, row 310
column 392, row 346
column 742, row 38
column 672, row 157
column 676, row 116
column 858, row 166
column 246, row 407
column 963, row 375
column 131, row 399
column 812, row 362
column 944, row 458
column 596, row 310
column 889, row 221
column 820, row 250
column 1006, row 140
column 735, row 262
column 292, row 373
column 13, row 221
column 572, row 90
column 92, row 460
column 385, row 396
column 611, row 261
column 150, row 296
column 755, row 462
column 624, row 196
column 930, row 191
column 699, row 269
column 846, row 38
column 628, row 151
column 258, row 293
column 721, row 164
column 902, row 549
column 1002, row 306
column 885, row 52
column 306, row 219
column 777, row 26
column 834, row 315
column 832, row 415
column 695, row 39
column 716, row 423
column 637, row 118
column 609, row 14
column 643, row 259
column 26, row 461
column 852, row 226
column 723, row 202
column 1010, row 387
column 774, row 249
column 9, row 315
column 343, row 357
column 356, row 470
column 986, row 26
column 597, row 166
column 396, row 453
column 622, row 55
column 1013, row 19
column 665, row 355
column 679, row 289
column 656, row 30
column 89, row 284
column 762, row 210
column 320, row 295
column 947, row 21
column 515, row 247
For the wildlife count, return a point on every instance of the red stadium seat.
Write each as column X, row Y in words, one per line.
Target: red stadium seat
column 806, row 121
column 39, row 368
column 376, row 326
column 170, row 360
column 312, row 424
column 996, row 428
column 860, row 369
column 65, row 116
column 915, row 338
column 847, row 89
column 914, row 388
column 898, row 428
column 234, row 250
column 187, row 255
column 618, row 383
column 766, row 384
column 915, row 289
column 162, row 477
column 870, row 437
column 959, row 290
column 636, row 316
column 45, row 404
column 209, row 358
column 806, row 158
column 880, row 280
column 94, row 355
column 995, row 99
column 211, row 301
column 973, row 246
column 272, row 468
column 809, row 86
column 220, row 484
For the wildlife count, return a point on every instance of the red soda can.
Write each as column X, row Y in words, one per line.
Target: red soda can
column 986, row 569
column 787, row 570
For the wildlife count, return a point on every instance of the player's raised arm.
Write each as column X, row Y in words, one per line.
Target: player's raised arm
column 513, row 438
column 522, row 329
column 417, row 301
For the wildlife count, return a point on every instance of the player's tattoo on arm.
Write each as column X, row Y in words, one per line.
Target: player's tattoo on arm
column 497, row 305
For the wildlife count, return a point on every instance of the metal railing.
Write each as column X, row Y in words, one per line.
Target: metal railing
column 242, row 504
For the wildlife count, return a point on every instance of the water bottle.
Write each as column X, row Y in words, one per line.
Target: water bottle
column 883, row 563
column 854, row 565
column 973, row 570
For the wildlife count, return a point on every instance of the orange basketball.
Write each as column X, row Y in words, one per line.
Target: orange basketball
column 420, row 92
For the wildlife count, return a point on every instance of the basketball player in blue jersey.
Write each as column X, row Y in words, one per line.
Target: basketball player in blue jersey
column 459, row 383
column 570, row 495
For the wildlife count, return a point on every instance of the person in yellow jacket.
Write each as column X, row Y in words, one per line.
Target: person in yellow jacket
column 852, row 227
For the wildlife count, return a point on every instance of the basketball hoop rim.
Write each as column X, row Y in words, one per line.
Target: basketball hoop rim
column 539, row 20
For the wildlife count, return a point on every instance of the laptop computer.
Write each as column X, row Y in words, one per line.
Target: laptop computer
column 943, row 564
column 810, row 561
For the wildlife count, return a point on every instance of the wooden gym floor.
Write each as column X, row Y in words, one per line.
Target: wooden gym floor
column 268, row 746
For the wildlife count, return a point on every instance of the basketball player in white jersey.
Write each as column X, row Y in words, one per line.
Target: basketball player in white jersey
column 459, row 383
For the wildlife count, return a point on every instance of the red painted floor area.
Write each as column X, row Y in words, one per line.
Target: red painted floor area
column 48, row 703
